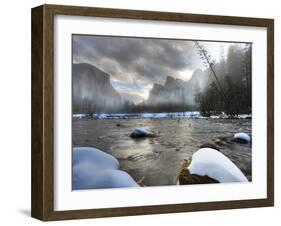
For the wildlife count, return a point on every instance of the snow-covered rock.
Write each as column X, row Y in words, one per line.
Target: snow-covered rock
column 242, row 138
column 87, row 177
column 141, row 132
column 94, row 157
column 212, row 163
column 93, row 168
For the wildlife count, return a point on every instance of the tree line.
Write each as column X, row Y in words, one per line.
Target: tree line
column 229, row 85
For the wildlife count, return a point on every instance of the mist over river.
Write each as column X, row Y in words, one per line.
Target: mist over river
column 157, row 160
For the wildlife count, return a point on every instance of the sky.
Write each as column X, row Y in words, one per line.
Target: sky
column 134, row 64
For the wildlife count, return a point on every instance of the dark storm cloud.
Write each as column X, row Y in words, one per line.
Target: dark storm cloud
column 126, row 59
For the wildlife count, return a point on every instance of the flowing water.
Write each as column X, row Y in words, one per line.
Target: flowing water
column 157, row 160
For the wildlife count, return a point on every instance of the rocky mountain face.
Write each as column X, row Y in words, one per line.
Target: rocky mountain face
column 177, row 91
column 92, row 91
column 170, row 92
column 194, row 85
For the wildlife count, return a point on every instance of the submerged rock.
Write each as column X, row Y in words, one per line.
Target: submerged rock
column 93, row 168
column 242, row 138
column 209, row 166
column 142, row 132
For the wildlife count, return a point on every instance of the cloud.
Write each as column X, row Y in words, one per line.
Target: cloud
column 142, row 61
column 134, row 91
column 128, row 58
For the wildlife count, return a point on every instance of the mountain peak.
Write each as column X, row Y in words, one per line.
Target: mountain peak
column 173, row 83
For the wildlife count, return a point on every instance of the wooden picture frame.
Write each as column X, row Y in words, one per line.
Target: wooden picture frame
column 42, row 203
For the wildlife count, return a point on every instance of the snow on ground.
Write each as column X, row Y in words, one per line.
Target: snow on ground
column 244, row 116
column 188, row 114
column 93, row 168
column 79, row 116
column 212, row 163
column 147, row 115
column 191, row 114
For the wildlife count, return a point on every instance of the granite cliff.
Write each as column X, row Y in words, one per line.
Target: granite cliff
column 92, row 91
column 177, row 91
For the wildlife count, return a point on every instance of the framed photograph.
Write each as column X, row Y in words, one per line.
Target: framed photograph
column 142, row 112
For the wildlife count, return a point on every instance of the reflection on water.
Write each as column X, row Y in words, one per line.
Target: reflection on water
column 158, row 159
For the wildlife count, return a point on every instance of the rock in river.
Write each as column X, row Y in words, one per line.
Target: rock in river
column 242, row 138
column 209, row 166
column 142, row 132
column 93, row 168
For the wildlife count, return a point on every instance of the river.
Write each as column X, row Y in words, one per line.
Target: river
column 157, row 160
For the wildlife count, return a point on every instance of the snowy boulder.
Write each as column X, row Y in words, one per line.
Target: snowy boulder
column 87, row 177
column 186, row 178
column 93, row 168
column 93, row 157
column 242, row 138
column 142, row 132
column 215, row 165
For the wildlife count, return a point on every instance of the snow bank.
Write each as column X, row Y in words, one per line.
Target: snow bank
column 93, row 168
column 79, row 116
column 192, row 114
column 242, row 138
column 245, row 116
column 212, row 163
column 187, row 114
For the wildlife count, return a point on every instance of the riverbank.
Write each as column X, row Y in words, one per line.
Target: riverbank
column 161, row 115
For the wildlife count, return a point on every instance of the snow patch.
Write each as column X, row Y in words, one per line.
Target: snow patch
column 79, row 116
column 245, row 116
column 187, row 115
column 93, row 168
column 212, row 163
column 192, row 114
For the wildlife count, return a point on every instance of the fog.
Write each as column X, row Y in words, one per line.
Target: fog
column 152, row 74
